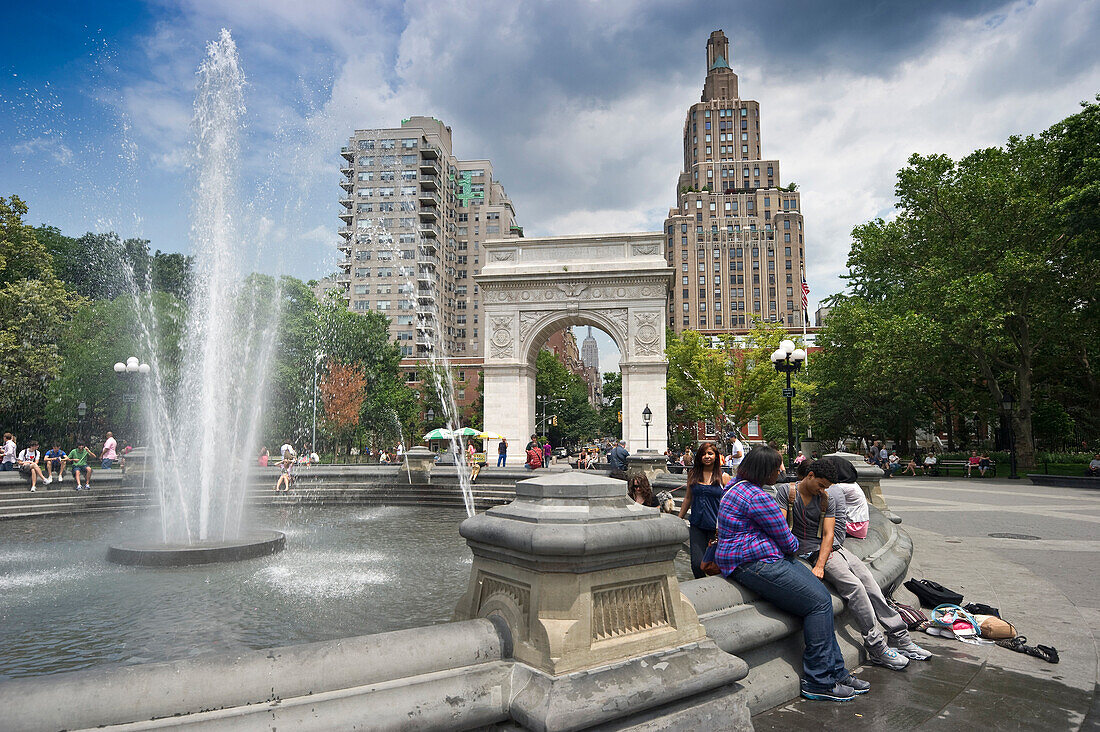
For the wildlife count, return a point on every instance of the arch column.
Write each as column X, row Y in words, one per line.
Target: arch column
column 509, row 401
column 644, row 383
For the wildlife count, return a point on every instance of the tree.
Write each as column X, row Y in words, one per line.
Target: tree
column 565, row 394
column 725, row 379
column 342, row 389
column 34, row 308
column 983, row 270
column 612, row 391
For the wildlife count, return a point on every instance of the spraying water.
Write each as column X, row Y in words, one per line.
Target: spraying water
column 204, row 436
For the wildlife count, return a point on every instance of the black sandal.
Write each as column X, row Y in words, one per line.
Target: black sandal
column 1019, row 644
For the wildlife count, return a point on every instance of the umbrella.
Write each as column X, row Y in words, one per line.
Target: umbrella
column 467, row 432
column 489, row 436
column 438, row 434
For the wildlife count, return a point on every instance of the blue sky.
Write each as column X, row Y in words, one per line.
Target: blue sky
column 579, row 104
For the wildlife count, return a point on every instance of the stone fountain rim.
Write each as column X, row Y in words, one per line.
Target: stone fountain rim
column 256, row 543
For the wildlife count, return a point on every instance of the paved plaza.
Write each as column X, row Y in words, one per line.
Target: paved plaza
column 1046, row 585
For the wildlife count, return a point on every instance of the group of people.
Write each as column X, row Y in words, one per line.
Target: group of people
column 288, row 459
column 539, row 454
column 890, row 463
column 761, row 527
column 37, row 466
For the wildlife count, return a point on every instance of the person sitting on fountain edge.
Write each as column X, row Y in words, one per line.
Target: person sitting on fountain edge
column 815, row 511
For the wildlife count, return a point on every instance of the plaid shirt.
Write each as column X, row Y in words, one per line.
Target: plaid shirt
column 750, row 528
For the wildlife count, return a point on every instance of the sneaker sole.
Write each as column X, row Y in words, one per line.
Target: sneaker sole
column 914, row 656
column 891, row 666
column 822, row 696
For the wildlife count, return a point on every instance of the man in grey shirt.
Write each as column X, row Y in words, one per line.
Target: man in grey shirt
column 814, row 514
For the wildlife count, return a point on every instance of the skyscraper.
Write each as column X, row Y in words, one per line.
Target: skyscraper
column 590, row 351
column 735, row 236
column 412, row 220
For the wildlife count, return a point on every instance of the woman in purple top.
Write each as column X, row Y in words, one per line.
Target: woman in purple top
column 756, row 549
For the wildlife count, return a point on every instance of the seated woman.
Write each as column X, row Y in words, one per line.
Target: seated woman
column 983, row 464
column 756, row 549
column 910, row 467
column 640, row 491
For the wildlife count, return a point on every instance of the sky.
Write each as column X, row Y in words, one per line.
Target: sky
column 580, row 104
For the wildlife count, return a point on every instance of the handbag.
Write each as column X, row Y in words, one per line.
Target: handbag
column 933, row 594
column 914, row 618
column 709, row 565
column 994, row 628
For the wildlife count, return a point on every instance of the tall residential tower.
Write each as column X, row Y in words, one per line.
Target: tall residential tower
column 413, row 218
column 735, row 237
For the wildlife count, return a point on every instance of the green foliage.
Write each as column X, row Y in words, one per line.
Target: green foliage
column 727, row 379
column 578, row 421
column 969, row 293
column 612, row 391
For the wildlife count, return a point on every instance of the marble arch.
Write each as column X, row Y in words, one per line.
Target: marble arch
column 533, row 287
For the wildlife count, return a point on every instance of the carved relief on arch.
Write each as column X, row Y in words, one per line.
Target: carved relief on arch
column 500, row 336
column 647, row 334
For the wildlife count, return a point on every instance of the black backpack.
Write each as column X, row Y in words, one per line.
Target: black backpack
column 933, row 594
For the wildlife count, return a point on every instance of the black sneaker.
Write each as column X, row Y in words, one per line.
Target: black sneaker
column 838, row 693
column 858, row 685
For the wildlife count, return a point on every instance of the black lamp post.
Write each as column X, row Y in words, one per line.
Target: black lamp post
column 788, row 359
column 81, row 411
column 647, row 417
column 1008, row 403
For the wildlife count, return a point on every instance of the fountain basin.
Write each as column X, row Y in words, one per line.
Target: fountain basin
column 148, row 554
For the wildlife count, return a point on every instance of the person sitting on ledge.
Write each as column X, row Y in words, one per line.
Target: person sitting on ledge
column 640, row 490
column 911, row 467
column 534, row 457
column 930, row 461
column 756, row 550
column 1093, row 470
column 28, row 464
column 816, row 516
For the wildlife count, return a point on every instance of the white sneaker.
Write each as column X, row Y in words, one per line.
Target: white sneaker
column 887, row 657
column 911, row 650
column 33, row 489
column 60, row 478
column 47, row 481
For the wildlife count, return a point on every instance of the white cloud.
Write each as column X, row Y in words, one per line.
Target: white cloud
column 51, row 146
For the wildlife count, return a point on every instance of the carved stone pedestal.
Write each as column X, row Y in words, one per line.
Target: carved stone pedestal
column 650, row 462
column 583, row 577
column 421, row 460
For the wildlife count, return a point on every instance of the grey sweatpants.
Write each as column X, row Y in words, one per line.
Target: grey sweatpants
column 854, row 582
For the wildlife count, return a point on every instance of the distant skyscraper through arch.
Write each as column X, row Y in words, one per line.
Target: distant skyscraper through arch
column 590, row 351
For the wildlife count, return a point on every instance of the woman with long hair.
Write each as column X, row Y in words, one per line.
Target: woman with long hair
column 705, row 485
column 756, row 550
column 640, row 491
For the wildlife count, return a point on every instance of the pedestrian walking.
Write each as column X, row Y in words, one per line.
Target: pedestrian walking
column 8, row 461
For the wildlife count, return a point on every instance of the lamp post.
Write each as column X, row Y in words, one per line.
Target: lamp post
column 127, row 370
column 81, row 410
column 788, row 359
column 647, row 417
column 1008, row 403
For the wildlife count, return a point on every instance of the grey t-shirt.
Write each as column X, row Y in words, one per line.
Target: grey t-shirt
column 807, row 517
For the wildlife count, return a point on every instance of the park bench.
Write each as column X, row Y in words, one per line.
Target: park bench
column 946, row 466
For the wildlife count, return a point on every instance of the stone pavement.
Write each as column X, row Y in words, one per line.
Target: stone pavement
column 1047, row 586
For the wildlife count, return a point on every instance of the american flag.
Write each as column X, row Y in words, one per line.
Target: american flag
column 805, row 294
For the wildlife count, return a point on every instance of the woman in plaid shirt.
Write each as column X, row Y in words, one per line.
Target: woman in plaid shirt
column 756, row 549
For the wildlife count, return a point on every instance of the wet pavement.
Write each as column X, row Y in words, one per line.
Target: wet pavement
column 1048, row 588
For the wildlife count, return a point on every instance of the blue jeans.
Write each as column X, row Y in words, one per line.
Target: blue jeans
column 791, row 586
column 7, row 466
column 501, row 459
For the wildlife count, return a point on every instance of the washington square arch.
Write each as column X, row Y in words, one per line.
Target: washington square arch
column 532, row 288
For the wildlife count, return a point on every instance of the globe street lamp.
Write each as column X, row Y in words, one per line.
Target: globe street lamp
column 788, row 359
column 126, row 370
column 1008, row 403
column 647, row 417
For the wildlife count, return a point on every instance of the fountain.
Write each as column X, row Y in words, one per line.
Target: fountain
column 207, row 432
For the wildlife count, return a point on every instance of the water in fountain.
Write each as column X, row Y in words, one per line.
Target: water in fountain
column 205, row 436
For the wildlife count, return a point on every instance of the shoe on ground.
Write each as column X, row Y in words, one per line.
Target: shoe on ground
column 887, row 657
column 912, row 651
column 61, row 479
column 47, row 481
column 838, row 693
column 33, row 489
column 858, row 685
